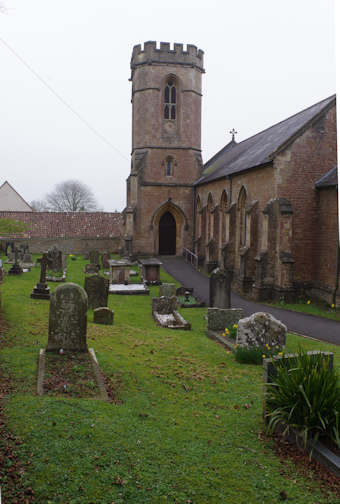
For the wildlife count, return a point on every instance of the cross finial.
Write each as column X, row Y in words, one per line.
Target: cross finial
column 233, row 132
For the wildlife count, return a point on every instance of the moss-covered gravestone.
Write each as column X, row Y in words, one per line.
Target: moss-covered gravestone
column 68, row 319
column 97, row 289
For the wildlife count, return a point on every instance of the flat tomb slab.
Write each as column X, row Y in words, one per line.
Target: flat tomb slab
column 128, row 289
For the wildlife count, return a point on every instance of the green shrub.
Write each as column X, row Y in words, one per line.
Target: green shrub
column 254, row 354
column 306, row 397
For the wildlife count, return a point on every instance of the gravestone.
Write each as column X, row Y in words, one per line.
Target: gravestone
column 97, row 289
column 219, row 289
column 55, row 257
column 16, row 269
column 164, row 305
column 68, row 319
column 261, row 329
column 27, row 259
column 10, row 257
column 105, row 261
column 91, row 268
column 42, row 290
column 103, row 315
column 85, row 256
column 167, row 290
column 94, row 257
column 218, row 319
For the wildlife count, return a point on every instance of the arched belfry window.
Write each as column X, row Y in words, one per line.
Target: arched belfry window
column 170, row 99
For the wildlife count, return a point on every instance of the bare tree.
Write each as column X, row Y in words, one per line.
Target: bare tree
column 39, row 206
column 71, row 196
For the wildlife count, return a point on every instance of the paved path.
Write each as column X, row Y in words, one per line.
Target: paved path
column 308, row 325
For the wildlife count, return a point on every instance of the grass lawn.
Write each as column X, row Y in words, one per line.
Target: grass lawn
column 185, row 426
column 313, row 308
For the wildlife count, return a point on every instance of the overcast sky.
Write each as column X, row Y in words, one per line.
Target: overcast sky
column 265, row 60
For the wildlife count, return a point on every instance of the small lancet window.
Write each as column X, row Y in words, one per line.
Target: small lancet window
column 170, row 100
column 169, row 166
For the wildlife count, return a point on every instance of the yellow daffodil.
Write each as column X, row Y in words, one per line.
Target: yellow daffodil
column 280, row 354
column 308, row 302
column 332, row 305
column 235, row 326
column 263, row 356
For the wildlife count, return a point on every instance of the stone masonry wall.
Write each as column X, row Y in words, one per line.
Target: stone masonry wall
column 312, row 155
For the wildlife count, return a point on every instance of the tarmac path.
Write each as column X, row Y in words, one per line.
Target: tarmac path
column 308, row 325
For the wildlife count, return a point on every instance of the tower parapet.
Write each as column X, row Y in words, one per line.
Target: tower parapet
column 150, row 55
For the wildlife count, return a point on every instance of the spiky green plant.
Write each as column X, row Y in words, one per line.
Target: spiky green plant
column 305, row 397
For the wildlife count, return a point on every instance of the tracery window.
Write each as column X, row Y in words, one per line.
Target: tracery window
column 170, row 99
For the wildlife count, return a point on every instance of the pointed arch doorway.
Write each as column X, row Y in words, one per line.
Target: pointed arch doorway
column 167, row 234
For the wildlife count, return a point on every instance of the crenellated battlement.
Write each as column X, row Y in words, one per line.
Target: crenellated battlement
column 150, row 54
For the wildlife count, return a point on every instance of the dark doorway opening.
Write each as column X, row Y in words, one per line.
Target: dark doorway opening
column 167, row 234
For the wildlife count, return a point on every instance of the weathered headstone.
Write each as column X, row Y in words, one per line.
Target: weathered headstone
column 97, row 289
column 56, row 259
column 164, row 311
column 91, row 268
column 103, row 315
column 94, row 257
column 218, row 319
column 16, row 269
column 105, row 261
column 261, row 329
column 164, row 304
column 167, row 290
column 27, row 259
column 219, row 289
column 42, row 290
column 68, row 319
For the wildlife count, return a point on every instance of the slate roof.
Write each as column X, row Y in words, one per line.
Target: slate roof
column 262, row 147
column 330, row 179
column 67, row 224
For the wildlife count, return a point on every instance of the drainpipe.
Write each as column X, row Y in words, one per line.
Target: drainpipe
column 194, row 218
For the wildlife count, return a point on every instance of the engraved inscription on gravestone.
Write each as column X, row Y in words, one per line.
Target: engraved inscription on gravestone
column 68, row 319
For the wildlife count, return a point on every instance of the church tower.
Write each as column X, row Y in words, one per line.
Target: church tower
column 166, row 148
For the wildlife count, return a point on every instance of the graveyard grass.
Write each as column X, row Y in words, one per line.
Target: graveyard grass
column 185, row 427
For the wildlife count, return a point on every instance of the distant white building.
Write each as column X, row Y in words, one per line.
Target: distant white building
column 11, row 201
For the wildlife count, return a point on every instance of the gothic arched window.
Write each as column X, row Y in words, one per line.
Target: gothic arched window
column 224, row 217
column 242, row 201
column 170, row 99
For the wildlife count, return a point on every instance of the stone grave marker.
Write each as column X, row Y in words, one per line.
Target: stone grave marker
column 167, row 290
column 97, row 289
column 103, row 315
column 218, row 319
column 91, row 268
column 261, row 329
column 16, row 269
column 94, row 257
column 105, row 261
column 56, row 259
column 68, row 319
column 42, row 290
column 219, row 289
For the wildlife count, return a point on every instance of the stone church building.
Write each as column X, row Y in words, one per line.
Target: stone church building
column 265, row 209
